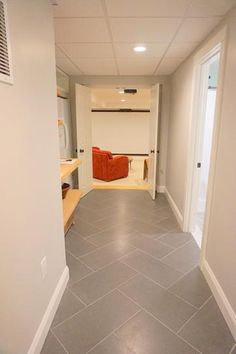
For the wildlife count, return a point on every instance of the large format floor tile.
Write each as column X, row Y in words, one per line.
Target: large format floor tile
column 176, row 239
column 192, row 287
column 169, row 309
column 111, row 345
column 77, row 270
column 184, row 258
column 208, row 331
column 84, row 330
column 115, row 233
column 107, row 254
column 135, row 286
column 103, row 281
column 52, row 345
column 144, row 335
column 152, row 268
column 153, row 247
column 84, row 228
column 69, row 305
column 78, row 246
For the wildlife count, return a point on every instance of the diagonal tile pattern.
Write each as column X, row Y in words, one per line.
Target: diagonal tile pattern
column 135, row 286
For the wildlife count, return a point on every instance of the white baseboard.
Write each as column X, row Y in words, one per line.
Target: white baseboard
column 48, row 316
column 161, row 189
column 220, row 297
column 175, row 209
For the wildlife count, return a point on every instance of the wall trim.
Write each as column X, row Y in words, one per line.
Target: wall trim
column 174, row 207
column 220, row 297
column 48, row 316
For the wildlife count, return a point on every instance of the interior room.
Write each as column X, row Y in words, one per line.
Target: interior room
column 120, row 125
column 118, row 207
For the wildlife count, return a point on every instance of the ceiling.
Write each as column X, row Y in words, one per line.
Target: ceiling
column 111, row 98
column 97, row 37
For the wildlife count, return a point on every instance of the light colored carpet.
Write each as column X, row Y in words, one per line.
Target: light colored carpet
column 134, row 179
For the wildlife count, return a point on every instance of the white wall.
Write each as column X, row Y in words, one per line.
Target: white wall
column 31, row 212
column 121, row 132
column 219, row 262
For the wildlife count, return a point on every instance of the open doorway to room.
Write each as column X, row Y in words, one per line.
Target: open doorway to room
column 205, row 115
column 120, row 129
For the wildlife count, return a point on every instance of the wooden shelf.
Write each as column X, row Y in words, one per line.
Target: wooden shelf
column 68, row 169
column 69, row 204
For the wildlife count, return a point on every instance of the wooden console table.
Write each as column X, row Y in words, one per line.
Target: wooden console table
column 73, row 195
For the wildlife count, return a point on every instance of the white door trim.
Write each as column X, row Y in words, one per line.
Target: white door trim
column 214, row 46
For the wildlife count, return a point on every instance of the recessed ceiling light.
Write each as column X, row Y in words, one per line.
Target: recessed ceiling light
column 140, row 48
column 121, row 91
column 123, row 100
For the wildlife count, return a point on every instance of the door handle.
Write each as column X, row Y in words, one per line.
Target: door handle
column 81, row 150
column 152, row 151
column 199, row 165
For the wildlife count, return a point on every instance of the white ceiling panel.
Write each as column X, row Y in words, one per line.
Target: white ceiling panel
column 94, row 36
column 59, row 53
column 126, row 50
column 67, row 66
column 208, row 8
column 78, row 8
column 87, row 50
column 137, row 67
column 97, row 66
column 168, row 66
column 196, row 29
column 81, row 30
column 141, row 8
column 181, row 50
column 144, row 29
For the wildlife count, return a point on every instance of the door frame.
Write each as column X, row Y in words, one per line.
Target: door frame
column 214, row 46
column 152, row 189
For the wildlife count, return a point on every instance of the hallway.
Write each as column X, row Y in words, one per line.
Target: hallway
column 135, row 286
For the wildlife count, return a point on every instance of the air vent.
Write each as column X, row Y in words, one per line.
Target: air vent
column 5, row 62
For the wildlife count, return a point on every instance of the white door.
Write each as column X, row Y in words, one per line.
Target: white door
column 153, row 137
column 84, row 137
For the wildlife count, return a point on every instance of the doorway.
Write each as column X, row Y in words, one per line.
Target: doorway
column 205, row 113
column 123, row 125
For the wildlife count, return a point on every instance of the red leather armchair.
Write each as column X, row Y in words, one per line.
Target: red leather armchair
column 108, row 168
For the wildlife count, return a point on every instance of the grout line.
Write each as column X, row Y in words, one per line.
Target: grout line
column 92, row 303
column 100, row 269
column 78, row 297
column 113, row 332
column 115, row 260
column 157, row 319
column 180, row 329
column 54, row 335
column 176, row 249
column 78, row 259
column 161, row 286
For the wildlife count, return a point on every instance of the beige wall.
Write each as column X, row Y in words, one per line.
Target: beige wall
column 134, row 82
column 31, row 215
column 179, row 123
column 221, row 240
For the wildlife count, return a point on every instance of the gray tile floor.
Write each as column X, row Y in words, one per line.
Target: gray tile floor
column 135, row 286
